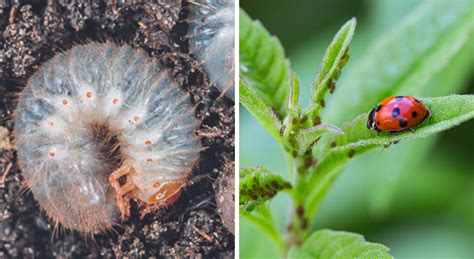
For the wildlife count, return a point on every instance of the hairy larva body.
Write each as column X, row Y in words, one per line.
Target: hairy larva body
column 96, row 114
column 212, row 40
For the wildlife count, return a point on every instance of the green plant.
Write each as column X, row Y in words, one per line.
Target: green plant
column 318, row 151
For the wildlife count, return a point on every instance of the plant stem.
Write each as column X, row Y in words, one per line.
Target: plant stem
column 319, row 190
column 298, row 222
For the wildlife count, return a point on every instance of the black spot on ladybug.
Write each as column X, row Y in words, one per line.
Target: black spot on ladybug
column 378, row 123
column 416, row 100
column 403, row 123
column 399, row 97
column 378, row 108
column 395, row 112
column 351, row 153
column 414, row 114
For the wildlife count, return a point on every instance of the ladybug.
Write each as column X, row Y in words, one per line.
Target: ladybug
column 397, row 114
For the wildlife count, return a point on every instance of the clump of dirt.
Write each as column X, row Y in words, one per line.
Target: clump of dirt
column 225, row 186
column 34, row 32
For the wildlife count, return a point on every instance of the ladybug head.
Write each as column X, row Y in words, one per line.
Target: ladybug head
column 371, row 120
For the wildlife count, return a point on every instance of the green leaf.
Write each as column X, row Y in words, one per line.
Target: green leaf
column 306, row 137
column 338, row 244
column 263, row 219
column 334, row 60
column 405, row 59
column 294, row 92
column 257, row 186
column 446, row 112
column 260, row 110
column 263, row 64
column 292, row 119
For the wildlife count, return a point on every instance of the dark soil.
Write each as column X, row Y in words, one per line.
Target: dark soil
column 33, row 32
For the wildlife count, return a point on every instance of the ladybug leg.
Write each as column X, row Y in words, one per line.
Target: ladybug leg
column 391, row 143
column 394, row 132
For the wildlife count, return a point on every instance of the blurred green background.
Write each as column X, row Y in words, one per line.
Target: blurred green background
column 417, row 198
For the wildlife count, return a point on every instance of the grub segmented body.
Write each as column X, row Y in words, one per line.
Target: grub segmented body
column 99, row 110
column 211, row 32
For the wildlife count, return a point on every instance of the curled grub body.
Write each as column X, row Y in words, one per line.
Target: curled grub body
column 211, row 30
column 99, row 125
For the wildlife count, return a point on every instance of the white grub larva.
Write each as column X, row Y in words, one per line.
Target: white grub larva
column 211, row 40
column 96, row 114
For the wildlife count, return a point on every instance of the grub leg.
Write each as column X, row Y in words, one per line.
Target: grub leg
column 123, row 201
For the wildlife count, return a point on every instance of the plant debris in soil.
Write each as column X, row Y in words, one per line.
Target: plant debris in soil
column 33, row 32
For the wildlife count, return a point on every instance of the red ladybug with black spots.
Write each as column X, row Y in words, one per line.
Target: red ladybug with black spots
column 397, row 114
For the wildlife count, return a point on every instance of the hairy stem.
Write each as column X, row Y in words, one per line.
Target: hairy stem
column 298, row 222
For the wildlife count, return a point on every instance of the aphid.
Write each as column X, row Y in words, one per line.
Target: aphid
column 396, row 114
column 211, row 30
column 96, row 114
